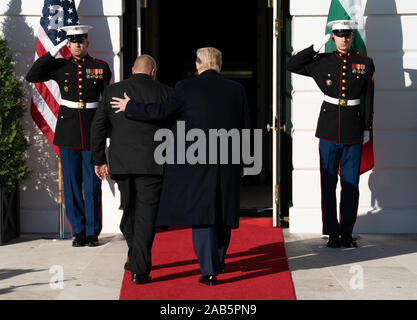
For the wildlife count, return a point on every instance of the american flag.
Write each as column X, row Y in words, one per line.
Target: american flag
column 45, row 95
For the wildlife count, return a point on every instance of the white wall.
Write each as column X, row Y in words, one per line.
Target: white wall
column 19, row 21
column 388, row 194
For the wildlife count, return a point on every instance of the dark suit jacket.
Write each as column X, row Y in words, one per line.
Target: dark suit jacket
column 189, row 191
column 132, row 144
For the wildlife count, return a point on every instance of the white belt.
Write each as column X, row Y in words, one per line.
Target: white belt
column 342, row 102
column 79, row 105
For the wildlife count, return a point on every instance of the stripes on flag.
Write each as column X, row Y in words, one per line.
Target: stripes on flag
column 46, row 96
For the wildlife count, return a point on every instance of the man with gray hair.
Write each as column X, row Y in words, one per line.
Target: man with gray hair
column 209, row 58
column 203, row 195
column 131, row 163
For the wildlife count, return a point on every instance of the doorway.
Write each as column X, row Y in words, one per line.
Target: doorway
column 172, row 31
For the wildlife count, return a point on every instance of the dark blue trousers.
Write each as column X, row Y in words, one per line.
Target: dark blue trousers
column 82, row 191
column 347, row 157
column 211, row 242
column 210, row 245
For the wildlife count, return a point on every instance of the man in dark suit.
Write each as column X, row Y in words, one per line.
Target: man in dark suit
column 204, row 195
column 131, row 162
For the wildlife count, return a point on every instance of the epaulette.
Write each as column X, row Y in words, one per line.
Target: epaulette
column 325, row 54
column 362, row 55
column 100, row 61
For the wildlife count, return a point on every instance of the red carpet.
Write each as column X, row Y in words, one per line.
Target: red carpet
column 256, row 267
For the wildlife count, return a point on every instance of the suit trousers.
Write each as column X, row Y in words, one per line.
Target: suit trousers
column 82, row 191
column 140, row 196
column 212, row 241
column 347, row 159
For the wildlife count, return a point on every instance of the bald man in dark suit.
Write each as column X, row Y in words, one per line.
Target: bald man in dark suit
column 131, row 162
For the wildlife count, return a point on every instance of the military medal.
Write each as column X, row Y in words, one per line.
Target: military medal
column 358, row 68
column 94, row 73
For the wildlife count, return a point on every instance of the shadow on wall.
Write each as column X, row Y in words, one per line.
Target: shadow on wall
column 41, row 190
column 392, row 189
column 101, row 46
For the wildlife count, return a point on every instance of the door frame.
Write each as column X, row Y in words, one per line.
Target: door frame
column 281, row 113
column 138, row 40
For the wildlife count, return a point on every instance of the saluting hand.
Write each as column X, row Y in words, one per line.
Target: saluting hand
column 120, row 103
column 318, row 45
column 54, row 51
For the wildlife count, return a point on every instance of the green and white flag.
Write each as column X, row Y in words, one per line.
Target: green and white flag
column 348, row 10
column 352, row 10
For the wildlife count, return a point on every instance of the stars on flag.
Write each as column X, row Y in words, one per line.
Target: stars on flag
column 57, row 14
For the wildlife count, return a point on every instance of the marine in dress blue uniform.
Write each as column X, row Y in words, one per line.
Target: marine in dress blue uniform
column 345, row 77
column 81, row 79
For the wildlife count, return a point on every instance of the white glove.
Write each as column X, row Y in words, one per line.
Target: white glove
column 54, row 51
column 366, row 136
column 318, row 45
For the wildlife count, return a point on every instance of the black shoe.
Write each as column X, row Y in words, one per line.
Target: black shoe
column 127, row 266
column 91, row 241
column 79, row 240
column 334, row 242
column 347, row 241
column 141, row 279
column 208, row 280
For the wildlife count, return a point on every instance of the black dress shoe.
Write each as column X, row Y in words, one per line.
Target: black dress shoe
column 141, row 278
column 334, row 242
column 79, row 240
column 127, row 266
column 91, row 241
column 208, row 280
column 347, row 241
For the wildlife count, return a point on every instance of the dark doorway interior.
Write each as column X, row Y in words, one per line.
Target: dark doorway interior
column 172, row 31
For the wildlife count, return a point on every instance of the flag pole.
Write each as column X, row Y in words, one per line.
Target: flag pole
column 61, row 235
column 61, row 208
